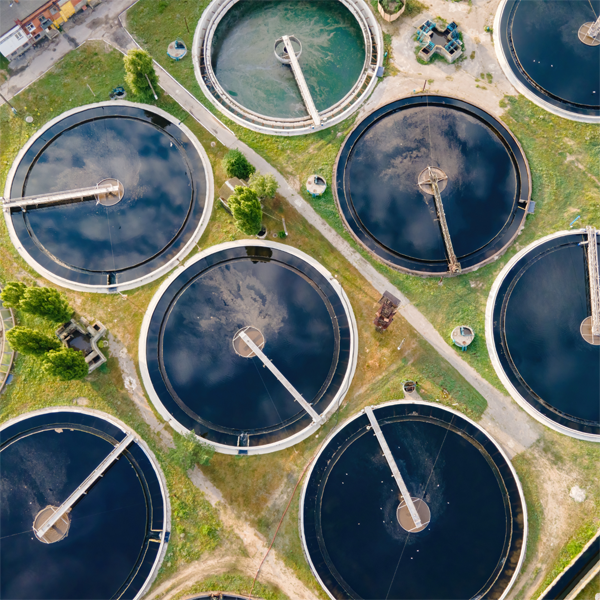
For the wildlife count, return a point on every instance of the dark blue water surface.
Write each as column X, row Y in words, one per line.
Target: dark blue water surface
column 377, row 183
column 236, row 401
column 157, row 199
column 544, row 39
column 240, row 394
column 355, row 541
column 542, row 304
column 108, row 526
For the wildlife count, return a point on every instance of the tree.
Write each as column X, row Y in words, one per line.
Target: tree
column 46, row 302
column 66, row 364
column 138, row 65
column 29, row 341
column 246, row 210
column 237, row 165
column 265, row 186
column 12, row 294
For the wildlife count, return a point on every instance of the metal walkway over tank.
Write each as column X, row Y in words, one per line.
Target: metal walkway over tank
column 433, row 181
column 317, row 418
column 394, row 468
column 98, row 472
column 60, row 197
column 304, row 91
column 594, row 278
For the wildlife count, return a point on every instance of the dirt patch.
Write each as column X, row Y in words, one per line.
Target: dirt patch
column 134, row 389
column 561, row 517
column 273, row 571
column 462, row 78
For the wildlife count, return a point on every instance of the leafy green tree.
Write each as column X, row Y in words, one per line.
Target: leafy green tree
column 190, row 451
column 46, row 302
column 265, row 186
column 66, row 364
column 246, row 210
column 12, row 294
column 29, row 341
column 237, row 165
column 138, row 65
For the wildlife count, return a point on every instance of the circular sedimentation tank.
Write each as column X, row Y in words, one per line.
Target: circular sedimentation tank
column 354, row 529
column 213, row 326
column 536, row 335
column 545, row 54
column 162, row 199
column 389, row 166
column 340, row 44
column 115, row 534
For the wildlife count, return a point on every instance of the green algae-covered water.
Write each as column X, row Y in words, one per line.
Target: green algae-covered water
column 333, row 54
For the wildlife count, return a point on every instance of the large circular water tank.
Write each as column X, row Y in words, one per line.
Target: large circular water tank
column 356, row 532
column 111, row 541
column 389, row 202
column 251, row 345
column 123, row 240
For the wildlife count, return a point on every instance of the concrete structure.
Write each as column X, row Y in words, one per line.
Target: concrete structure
column 594, row 278
column 432, row 178
column 491, row 346
column 299, row 76
column 23, row 23
column 227, row 189
column 316, row 185
column 523, row 89
column 72, row 335
column 64, row 197
column 390, row 17
column 165, row 532
column 462, row 336
column 201, row 53
column 445, row 42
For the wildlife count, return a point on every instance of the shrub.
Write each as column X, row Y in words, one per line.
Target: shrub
column 265, row 186
column 190, row 451
column 66, row 364
column 12, row 294
column 46, row 302
column 237, row 165
column 29, row 341
column 246, row 210
column 138, row 65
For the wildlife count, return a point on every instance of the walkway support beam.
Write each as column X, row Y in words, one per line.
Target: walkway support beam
column 66, row 506
column 594, row 278
column 304, row 91
column 316, row 417
column 56, row 197
column 453, row 263
column 394, row 467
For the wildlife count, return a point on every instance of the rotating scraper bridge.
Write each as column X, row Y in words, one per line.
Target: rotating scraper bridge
column 202, row 51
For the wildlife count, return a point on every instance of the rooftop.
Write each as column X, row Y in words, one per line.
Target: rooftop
column 11, row 10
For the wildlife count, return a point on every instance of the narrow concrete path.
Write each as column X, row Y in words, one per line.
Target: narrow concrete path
column 514, row 429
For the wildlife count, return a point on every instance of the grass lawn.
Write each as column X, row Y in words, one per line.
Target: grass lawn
column 564, row 159
column 380, row 374
column 259, row 487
